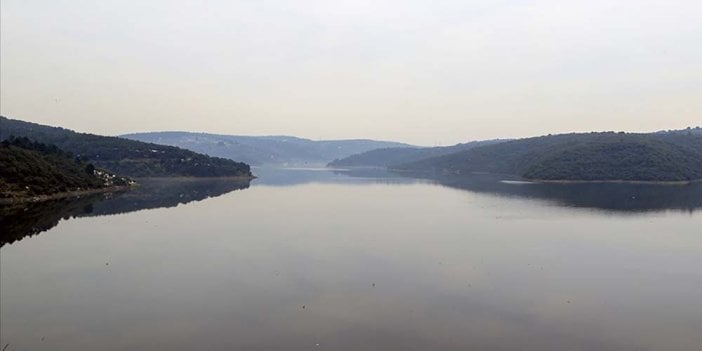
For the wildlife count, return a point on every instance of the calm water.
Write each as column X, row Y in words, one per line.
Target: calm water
column 315, row 260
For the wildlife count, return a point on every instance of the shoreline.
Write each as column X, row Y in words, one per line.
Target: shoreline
column 63, row 195
column 620, row 181
column 78, row 193
column 238, row 178
column 555, row 181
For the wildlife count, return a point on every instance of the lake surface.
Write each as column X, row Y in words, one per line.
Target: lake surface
column 364, row 260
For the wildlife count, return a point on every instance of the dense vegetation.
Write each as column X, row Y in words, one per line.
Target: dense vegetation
column 389, row 157
column 126, row 157
column 265, row 150
column 665, row 156
column 31, row 168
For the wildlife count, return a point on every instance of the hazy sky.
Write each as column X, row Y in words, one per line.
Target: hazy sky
column 426, row 72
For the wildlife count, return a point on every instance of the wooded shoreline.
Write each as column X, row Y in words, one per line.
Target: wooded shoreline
column 112, row 189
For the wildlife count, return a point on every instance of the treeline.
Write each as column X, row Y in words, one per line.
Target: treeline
column 126, row 157
column 667, row 156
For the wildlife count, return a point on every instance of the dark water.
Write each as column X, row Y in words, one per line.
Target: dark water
column 363, row 260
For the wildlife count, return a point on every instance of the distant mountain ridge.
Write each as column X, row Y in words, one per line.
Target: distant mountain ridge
column 604, row 156
column 126, row 157
column 265, row 150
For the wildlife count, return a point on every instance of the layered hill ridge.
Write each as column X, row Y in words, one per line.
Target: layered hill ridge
column 265, row 150
column 606, row 156
column 389, row 157
column 126, row 157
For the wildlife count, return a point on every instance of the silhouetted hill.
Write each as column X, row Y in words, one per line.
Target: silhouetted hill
column 264, row 150
column 389, row 157
column 632, row 197
column 29, row 168
column 667, row 156
column 126, row 157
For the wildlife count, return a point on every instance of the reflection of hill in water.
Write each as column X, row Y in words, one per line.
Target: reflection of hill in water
column 627, row 197
column 624, row 197
column 20, row 220
column 167, row 192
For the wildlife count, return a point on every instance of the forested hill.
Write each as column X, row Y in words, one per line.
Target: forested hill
column 30, row 169
column 389, row 157
column 265, row 150
column 126, row 157
column 665, row 156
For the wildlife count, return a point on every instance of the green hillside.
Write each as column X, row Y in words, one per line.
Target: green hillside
column 126, row 157
column 30, row 168
column 389, row 157
column 666, row 156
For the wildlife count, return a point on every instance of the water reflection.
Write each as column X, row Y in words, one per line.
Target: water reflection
column 628, row 197
column 620, row 197
column 394, row 264
column 302, row 176
column 20, row 220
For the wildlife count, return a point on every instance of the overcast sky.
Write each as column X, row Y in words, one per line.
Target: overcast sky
column 425, row 72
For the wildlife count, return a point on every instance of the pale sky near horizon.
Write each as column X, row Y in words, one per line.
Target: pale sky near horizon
column 423, row 72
